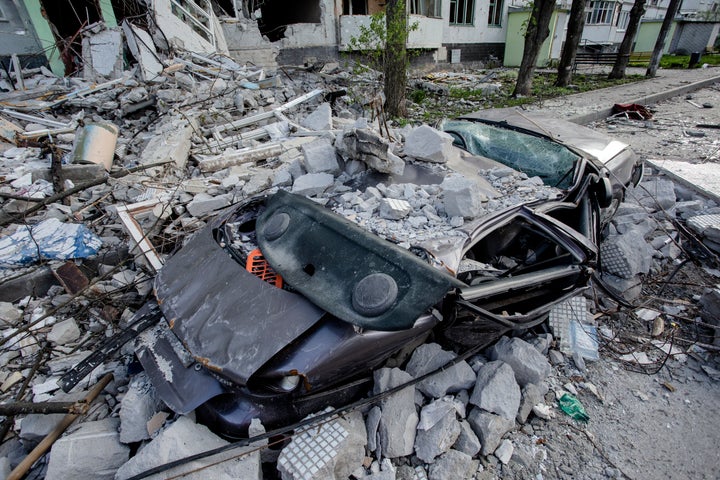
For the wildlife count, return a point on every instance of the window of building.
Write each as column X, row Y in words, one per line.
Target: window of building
column 601, row 13
column 623, row 20
column 461, row 12
column 427, row 8
column 495, row 13
column 355, row 7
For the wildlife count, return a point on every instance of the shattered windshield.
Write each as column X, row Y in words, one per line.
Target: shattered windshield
column 532, row 155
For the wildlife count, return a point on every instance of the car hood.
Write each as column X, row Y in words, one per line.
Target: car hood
column 590, row 143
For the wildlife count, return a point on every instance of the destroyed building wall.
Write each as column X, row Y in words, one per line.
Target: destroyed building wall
column 190, row 25
column 16, row 32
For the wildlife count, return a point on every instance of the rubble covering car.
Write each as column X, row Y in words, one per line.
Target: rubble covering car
column 280, row 306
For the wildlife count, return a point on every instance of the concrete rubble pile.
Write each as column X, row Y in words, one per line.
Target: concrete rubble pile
column 102, row 181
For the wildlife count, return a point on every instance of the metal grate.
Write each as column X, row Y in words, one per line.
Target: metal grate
column 258, row 266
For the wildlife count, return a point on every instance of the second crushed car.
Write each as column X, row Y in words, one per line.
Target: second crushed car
column 282, row 306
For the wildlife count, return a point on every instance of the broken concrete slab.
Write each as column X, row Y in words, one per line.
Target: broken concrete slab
column 654, row 194
column 504, row 451
column 626, row 255
column 93, row 451
column 430, row 145
column 320, row 119
column 467, row 442
column 489, row 428
column 429, row 357
column 137, row 408
column 320, row 157
column 203, row 204
column 531, row 395
column 399, row 420
column 461, row 197
column 102, row 55
column 332, row 450
column 368, row 146
column 438, row 430
column 64, row 332
column 171, row 142
column 143, row 49
column 231, row 158
column 529, row 365
column 496, row 390
column 185, row 438
column 393, row 209
column 452, row 465
column 312, row 184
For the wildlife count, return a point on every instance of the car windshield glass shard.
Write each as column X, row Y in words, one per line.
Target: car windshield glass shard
column 530, row 154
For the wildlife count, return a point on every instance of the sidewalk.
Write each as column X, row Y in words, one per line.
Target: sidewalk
column 584, row 108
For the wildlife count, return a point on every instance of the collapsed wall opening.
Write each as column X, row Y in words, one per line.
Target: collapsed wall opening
column 67, row 18
column 274, row 16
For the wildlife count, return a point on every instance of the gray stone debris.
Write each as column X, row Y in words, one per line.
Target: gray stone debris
column 430, row 145
column 626, row 255
column 320, row 157
column 66, row 331
column 369, row 147
column 504, row 451
column 399, row 420
column 320, row 119
column 461, row 197
column 467, row 442
column 654, row 194
column 707, row 227
column 185, row 438
column 452, row 465
column 532, row 394
column 312, row 184
column 170, row 142
column 393, row 209
column 137, row 408
column 437, row 431
column 489, row 428
column 496, row 390
column 331, row 450
column 203, row 204
column 527, row 363
column 431, row 356
column 93, row 451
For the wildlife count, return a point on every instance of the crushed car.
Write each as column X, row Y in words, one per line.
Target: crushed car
column 281, row 306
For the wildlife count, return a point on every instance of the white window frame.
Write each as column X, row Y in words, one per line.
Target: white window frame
column 466, row 17
column 495, row 13
column 601, row 13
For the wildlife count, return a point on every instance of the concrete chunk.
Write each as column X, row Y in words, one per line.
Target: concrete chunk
column 529, row 365
column 431, row 356
column 489, row 428
column 393, row 209
column 375, row 151
column 203, row 204
column 137, row 408
column 626, row 255
column 320, row 157
column 452, row 465
column 399, row 419
column 329, row 451
column 91, row 452
column 531, row 396
column 312, row 184
column 437, row 431
column 496, row 390
column 461, row 197
column 430, row 145
column 64, row 332
column 320, row 119
column 183, row 439
column 172, row 143
column 467, row 442
column 504, row 451
column 655, row 194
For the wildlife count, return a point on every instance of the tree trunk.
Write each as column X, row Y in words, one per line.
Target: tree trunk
column 636, row 13
column 660, row 43
column 538, row 30
column 395, row 58
column 576, row 24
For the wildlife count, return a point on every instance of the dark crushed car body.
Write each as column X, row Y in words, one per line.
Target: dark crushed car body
column 238, row 343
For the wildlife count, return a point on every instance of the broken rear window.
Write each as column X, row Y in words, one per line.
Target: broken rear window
column 530, row 154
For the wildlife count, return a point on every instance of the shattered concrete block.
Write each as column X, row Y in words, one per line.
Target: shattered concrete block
column 532, row 394
column 369, row 147
column 437, row 430
column 529, row 365
column 331, row 451
column 710, row 313
column 64, row 332
column 319, row 119
column 172, row 143
column 655, row 194
column 320, row 157
column 496, row 390
column 185, row 438
column 143, row 50
column 35, row 427
column 282, row 178
column 312, row 184
column 372, row 423
column 504, row 451
column 452, row 465
column 93, row 451
column 137, row 408
column 261, row 180
column 467, row 442
column 461, row 198
column 393, row 209
column 489, row 428
column 629, row 288
column 430, row 145
column 9, row 314
column 203, row 204
column 626, row 255
column 399, row 420
column 431, row 356
column 102, row 55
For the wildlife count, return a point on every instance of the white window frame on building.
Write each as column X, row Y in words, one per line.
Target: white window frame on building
column 426, row 8
column 462, row 12
column 197, row 14
column 495, row 13
column 623, row 20
column 601, row 12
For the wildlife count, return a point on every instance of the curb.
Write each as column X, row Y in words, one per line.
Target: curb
column 603, row 113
